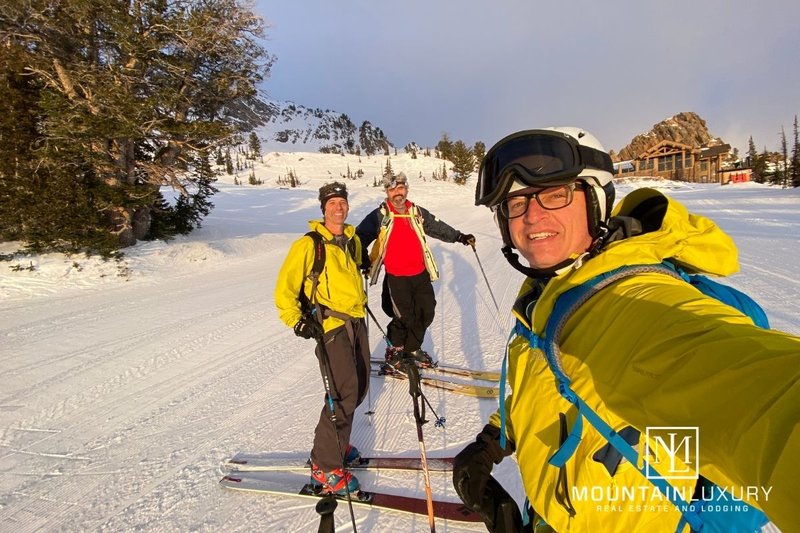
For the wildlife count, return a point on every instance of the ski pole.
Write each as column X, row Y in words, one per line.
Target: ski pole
column 415, row 391
column 485, row 278
column 372, row 315
column 369, row 412
column 323, row 355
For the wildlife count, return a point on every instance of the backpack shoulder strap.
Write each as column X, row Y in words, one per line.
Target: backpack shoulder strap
column 319, row 253
column 725, row 294
column 308, row 305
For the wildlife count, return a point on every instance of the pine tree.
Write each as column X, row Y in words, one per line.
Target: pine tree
column 445, row 147
column 463, row 162
column 756, row 161
column 784, row 160
column 254, row 144
column 794, row 166
column 479, row 151
column 124, row 98
column 387, row 170
column 228, row 162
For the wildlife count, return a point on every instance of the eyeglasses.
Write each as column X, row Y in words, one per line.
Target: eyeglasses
column 551, row 199
column 537, row 158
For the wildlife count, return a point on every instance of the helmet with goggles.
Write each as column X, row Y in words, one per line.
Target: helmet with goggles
column 545, row 158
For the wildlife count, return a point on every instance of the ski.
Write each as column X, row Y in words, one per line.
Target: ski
column 296, row 484
column 253, row 462
column 474, row 391
column 486, row 375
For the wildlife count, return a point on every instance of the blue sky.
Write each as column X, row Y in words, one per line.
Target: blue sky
column 479, row 70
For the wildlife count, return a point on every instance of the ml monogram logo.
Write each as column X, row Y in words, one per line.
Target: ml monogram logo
column 675, row 453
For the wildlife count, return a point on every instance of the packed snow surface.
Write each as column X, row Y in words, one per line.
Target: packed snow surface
column 125, row 384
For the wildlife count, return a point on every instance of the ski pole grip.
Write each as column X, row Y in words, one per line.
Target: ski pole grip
column 325, row 508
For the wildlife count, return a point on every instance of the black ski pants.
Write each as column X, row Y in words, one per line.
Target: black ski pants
column 413, row 308
column 346, row 357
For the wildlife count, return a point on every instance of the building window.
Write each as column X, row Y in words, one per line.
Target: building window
column 703, row 166
column 665, row 163
column 688, row 161
column 678, row 161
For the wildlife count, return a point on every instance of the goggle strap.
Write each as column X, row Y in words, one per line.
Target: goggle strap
column 596, row 159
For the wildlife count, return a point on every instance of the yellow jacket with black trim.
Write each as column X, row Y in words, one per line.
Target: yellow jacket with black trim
column 340, row 287
column 652, row 351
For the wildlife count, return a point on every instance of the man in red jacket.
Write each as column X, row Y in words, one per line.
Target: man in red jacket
column 401, row 227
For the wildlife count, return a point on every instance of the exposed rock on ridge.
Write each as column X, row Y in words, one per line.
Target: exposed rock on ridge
column 686, row 128
column 304, row 128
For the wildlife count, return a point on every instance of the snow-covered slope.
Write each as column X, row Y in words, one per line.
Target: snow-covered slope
column 124, row 385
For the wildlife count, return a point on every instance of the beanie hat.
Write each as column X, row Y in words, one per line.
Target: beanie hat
column 392, row 181
column 331, row 190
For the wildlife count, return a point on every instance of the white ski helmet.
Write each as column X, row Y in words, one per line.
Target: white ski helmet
column 544, row 157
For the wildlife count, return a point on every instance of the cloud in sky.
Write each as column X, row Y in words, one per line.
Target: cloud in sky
column 480, row 70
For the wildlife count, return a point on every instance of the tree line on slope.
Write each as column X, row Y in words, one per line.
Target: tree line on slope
column 781, row 167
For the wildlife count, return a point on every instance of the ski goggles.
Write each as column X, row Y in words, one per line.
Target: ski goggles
column 537, row 158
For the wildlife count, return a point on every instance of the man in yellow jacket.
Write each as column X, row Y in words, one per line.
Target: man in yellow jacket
column 331, row 311
column 647, row 355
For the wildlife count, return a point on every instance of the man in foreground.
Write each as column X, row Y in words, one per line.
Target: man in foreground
column 643, row 350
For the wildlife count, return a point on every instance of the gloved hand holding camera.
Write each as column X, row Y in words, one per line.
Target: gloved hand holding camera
column 473, row 481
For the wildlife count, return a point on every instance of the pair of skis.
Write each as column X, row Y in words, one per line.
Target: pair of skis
column 268, row 474
column 379, row 368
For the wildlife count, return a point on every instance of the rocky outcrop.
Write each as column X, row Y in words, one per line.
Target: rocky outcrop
column 304, row 128
column 686, row 128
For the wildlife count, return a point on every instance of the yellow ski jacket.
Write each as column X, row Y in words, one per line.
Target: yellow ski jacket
column 340, row 287
column 651, row 351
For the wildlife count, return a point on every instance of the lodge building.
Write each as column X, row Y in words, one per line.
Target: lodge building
column 678, row 161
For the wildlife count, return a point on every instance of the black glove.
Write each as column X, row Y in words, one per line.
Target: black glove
column 308, row 327
column 467, row 239
column 473, row 481
column 365, row 267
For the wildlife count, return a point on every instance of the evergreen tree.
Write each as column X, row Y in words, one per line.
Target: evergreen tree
column 445, row 147
column 228, row 162
column 387, row 170
column 784, row 160
column 254, row 144
column 794, row 166
column 479, row 150
column 191, row 208
column 463, row 162
column 757, row 162
column 124, row 98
